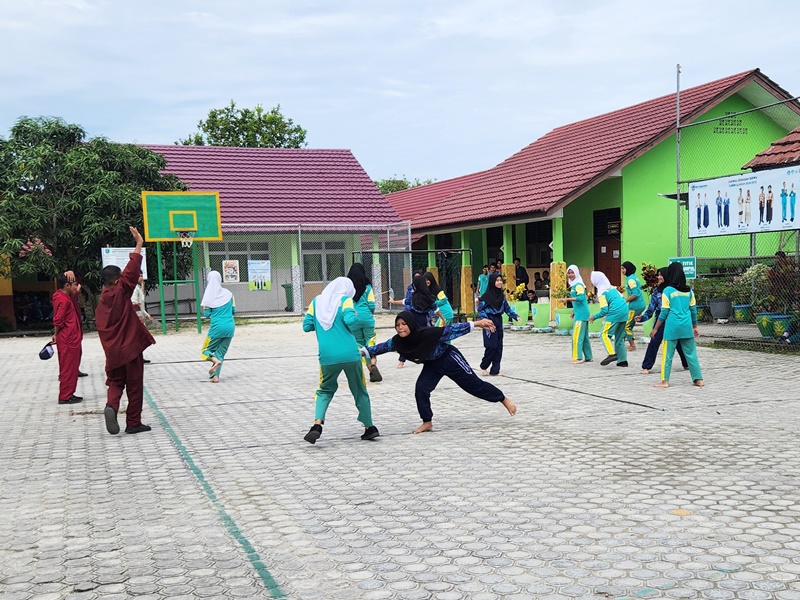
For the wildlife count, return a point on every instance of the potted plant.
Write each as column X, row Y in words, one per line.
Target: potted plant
column 750, row 293
column 714, row 292
column 519, row 303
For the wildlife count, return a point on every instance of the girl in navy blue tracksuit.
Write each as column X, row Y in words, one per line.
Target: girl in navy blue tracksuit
column 428, row 345
column 492, row 306
column 656, row 336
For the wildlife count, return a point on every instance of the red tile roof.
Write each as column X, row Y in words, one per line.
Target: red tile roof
column 783, row 153
column 565, row 163
column 411, row 202
column 281, row 185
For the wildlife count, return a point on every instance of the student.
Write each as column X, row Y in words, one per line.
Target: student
column 423, row 301
column 68, row 336
column 545, row 279
column 124, row 338
column 218, row 305
column 532, row 299
column 492, row 306
column 364, row 304
column 331, row 315
column 431, row 347
column 635, row 300
column 537, row 281
column 615, row 310
column 581, row 346
column 520, row 274
column 679, row 319
column 656, row 334
column 442, row 304
column 406, row 301
column 483, row 280
column 138, row 301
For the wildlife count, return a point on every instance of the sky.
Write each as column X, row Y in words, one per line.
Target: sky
column 417, row 89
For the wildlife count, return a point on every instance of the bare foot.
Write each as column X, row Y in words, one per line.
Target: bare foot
column 426, row 426
column 576, row 362
column 510, row 406
column 645, row 371
column 215, row 365
column 497, row 374
column 663, row 384
column 631, row 346
column 214, row 379
column 484, row 371
column 400, row 365
column 686, row 368
column 699, row 383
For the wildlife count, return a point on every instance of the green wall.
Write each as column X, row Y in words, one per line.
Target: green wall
column 578, row 224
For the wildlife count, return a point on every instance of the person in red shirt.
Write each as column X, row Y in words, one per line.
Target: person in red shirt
column 67, row 336
column 124, row 337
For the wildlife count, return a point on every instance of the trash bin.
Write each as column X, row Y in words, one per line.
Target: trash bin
column 287, row 287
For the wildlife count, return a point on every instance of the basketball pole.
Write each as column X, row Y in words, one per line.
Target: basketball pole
column 161, row 288
column 197, row 290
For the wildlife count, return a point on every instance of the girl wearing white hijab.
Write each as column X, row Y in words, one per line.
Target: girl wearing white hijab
column 331, row 315
column 581, row 346
column 615, row 310
column 219, row 306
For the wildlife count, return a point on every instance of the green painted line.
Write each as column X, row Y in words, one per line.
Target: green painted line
column 230, row 525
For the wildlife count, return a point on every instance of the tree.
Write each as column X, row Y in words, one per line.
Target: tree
column 62, row 199
column 396, row 184
column 247, row 128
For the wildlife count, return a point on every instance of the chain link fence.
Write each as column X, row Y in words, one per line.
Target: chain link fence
column 747, row 284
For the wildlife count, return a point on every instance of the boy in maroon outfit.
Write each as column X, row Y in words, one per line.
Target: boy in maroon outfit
column 68, row 334
column 124, row 337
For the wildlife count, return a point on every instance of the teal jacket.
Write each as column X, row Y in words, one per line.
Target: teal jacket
column 365, row 307
column 678, row 314
column 580, row 303
column 634, row 288
column 222, row 325
column 336, row 345
column 612, row 306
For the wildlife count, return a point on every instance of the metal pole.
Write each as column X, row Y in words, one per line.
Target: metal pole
column 197, row 290
column 678, row 153
column 752, row 249
column 161, row 287
column 175, row 285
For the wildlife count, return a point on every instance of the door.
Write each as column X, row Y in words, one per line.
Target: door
column 606, row 258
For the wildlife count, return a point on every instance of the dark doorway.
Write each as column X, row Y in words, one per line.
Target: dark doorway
column 607, row 233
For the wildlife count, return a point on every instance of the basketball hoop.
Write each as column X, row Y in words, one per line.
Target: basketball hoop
column 187, row 238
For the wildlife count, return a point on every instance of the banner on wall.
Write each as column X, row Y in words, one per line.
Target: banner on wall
column 230, row 271
column 258, row 273
column 751, row 203
column 120, row 257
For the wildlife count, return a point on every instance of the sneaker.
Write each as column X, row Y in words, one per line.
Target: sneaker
column 624, row 363
column 608, row 359
column 72, row 400
column 375, row 375
column 370, row 433
column 138, row 428
column 313, row 434
column 111, row 420
column 146, row 361
column 82, row 374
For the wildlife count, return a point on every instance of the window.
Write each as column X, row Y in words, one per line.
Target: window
column 323, row 261
column 238, row 250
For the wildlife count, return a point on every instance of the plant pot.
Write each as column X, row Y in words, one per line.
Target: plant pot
column 742, row 313
column 721, row 308
column 765, row 324
column 540, row 315
column 780, row 325
column 522, row 307
column 703, row 314
column 597, row 325
column 563, row 319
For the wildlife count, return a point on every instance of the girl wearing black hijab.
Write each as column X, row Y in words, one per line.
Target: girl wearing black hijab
column 428, row 345
column 657, row 334
column 422, row 307
column 364, row 304
column 492, row 306
column 678, row 318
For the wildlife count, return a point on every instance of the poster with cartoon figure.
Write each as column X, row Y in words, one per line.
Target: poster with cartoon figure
column 230, row 271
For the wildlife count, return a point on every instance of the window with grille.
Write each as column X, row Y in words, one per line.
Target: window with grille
column 323, row 261
column 237, row 250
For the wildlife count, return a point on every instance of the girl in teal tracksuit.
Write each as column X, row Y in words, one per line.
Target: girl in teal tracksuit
column 331, row 315
column 615, row 310
column 364, row 303
column 635, row 300
column 679, row 319
column 219, row 306
column 442, row 303
column 581, row 347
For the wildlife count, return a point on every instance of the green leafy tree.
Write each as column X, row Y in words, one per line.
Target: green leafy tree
column 62, row 198
column 247, row 128
column 398, row 184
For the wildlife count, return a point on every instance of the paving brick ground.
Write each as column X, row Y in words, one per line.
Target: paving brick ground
column 600, row 487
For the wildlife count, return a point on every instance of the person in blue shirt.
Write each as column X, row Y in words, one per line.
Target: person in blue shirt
column 656, row 334
column 718, row 202
column 792, row 201
column 492, row 306
column 431, row 347
column 219, row 306
column 483, row 281
column 406, row 304
column 615, row 310
column 581, row 347
column 634, row 298
column 443, row 309
column 784, row 198
column 679, row 319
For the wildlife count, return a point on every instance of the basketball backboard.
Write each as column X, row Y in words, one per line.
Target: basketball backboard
column 167, row 214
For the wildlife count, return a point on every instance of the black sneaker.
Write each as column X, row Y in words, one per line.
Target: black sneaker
column 608, row 359
column 111, row 420
column 313, row 434
column 82, row 374
column 141, row 427
column 375, row 375
column 146, row 361
column 624, row 363
column 370, row 433
column 73, row 400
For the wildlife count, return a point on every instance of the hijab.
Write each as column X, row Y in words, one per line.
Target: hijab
column 326, row 305
column 676, row 277
column 358, row 275
column 423, row 298
column 600, row 282
column 434, row 287
column 578, row 278
column 494, row 296
column 420, row 343
column 660, row 287
column 630, row 268
column 215, row 295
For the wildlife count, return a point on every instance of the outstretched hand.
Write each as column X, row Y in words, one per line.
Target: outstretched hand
column 137, row 237
column 485, row 324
